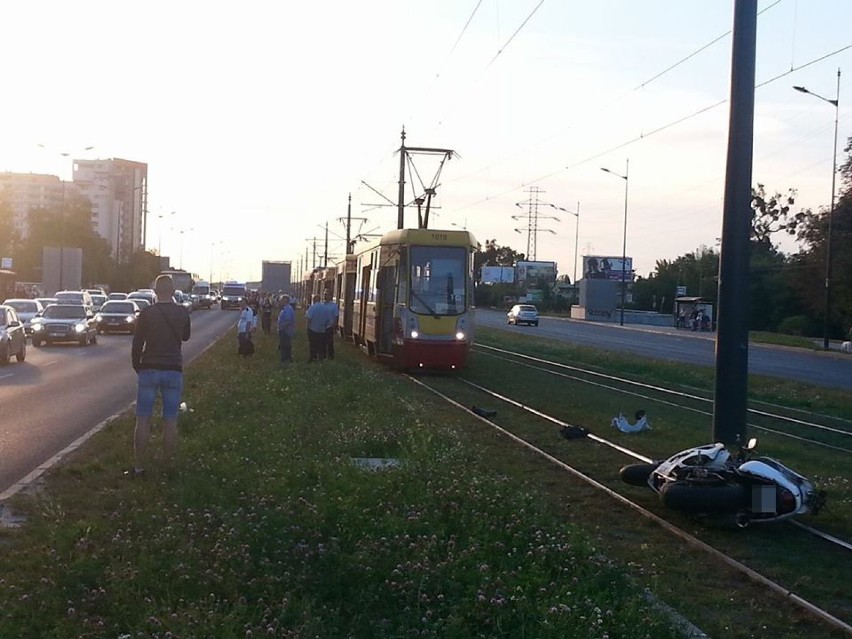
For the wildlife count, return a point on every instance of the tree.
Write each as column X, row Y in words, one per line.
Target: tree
column 69, row 225
column 9, row 235
column 772, row 214
column 494, row 255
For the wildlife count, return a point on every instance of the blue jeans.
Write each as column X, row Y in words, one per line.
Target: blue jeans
column 168, row 383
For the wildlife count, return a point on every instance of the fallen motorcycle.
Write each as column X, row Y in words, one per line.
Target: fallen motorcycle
column 709, row 481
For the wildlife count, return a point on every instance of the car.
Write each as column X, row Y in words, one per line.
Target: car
column 523, row 314
column 65, row 323
column 95, row 291
column 13, row 338
column 118, row 316
column 75, row 297
column 117, row 296
column 46, row 301
column 141, row 302
column 143, row 294
column 98, row 301
column 26, row 311
column 182, row 299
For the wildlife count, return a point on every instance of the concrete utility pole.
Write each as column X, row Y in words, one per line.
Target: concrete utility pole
column 532, row 217
column 730, row 400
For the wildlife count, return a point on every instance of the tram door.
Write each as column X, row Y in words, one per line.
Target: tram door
column 384, row 304
column 365, row 297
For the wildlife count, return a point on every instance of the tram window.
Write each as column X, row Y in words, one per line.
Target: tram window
column 438, row 282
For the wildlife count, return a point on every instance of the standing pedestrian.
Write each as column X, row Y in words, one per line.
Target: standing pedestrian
column 266, row 313
column 245, row 326
column 157, row 359
column 286, row 330
column 317, row 323
column 333, row 313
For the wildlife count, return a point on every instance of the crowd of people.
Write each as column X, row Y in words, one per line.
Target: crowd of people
column 258, row 308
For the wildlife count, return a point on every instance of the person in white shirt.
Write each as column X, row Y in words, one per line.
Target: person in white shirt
column 245, row 326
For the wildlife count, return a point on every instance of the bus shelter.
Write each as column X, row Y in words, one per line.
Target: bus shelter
column 694, row 313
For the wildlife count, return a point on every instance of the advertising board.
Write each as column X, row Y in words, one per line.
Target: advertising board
column 599, row 267
column 529, row 273
column 498, row 274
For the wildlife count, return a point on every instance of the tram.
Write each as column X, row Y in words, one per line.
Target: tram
column 412, row 299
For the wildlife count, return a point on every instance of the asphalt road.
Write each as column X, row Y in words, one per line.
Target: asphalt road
column 830, row 369
column 60, row 392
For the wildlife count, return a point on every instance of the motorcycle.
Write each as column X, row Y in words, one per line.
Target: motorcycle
column 709, row 481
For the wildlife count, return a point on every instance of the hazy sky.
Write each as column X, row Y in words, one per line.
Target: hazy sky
column 257, row 119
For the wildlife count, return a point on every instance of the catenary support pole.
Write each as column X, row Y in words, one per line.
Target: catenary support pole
column 731, row 382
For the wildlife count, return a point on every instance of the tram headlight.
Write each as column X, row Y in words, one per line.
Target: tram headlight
column 413, row 327
column 461, row 328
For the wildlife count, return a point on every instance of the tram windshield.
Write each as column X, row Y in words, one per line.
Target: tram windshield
column 438, row 281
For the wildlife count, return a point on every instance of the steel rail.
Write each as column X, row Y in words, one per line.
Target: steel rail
column 694, row 541
column 656, row 399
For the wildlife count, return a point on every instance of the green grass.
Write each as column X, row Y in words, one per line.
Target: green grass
column 780, row 339
column 265, row 527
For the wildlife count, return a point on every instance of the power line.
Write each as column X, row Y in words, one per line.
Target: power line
column 659, row 129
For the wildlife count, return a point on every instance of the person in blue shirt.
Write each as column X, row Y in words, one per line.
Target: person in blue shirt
column 286, row 330
column 317, row 324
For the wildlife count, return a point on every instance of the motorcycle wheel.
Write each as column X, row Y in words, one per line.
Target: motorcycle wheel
column 689, row 497
column 636, row 474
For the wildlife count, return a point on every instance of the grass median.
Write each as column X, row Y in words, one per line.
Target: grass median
column 266, row 526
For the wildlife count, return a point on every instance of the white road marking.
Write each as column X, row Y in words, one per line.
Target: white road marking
column 6, row 375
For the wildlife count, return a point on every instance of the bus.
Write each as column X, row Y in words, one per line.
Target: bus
column 183, row 280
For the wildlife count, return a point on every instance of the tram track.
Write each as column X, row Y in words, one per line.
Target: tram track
column 659, row 394
column 755, row 576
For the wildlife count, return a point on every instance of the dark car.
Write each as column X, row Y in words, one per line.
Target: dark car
column 65, row 323
column 13, row 339
column 118, row 316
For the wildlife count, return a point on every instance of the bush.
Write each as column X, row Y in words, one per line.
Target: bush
column 800, row 325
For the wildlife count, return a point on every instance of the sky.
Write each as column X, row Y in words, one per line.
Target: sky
column 257, row 120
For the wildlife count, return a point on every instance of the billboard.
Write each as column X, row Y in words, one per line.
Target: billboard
column 498, row 274
column 529, row 273
column 597, row 267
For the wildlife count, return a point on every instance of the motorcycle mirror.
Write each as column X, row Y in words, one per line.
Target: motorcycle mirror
column 752, row 444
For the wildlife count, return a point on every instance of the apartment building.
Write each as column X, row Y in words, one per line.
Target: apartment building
column 118, row 191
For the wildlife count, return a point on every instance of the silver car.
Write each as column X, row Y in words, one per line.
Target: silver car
column 523, row 314
column 26, row 310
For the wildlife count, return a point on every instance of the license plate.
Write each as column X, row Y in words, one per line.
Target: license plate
column 57, row 334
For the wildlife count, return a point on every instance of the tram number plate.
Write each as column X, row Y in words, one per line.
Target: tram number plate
column 439, row 236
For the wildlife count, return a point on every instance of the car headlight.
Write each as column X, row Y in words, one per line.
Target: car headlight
column 79, row 327
column 414, row 334
column 130, row 319
column 99, row 318
column 38, row 326
column 460, row 335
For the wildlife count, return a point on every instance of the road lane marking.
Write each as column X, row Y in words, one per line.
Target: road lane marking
column 51, row 362
column 6, row 375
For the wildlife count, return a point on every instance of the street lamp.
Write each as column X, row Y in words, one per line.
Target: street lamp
column 828, row 247
column 64, row 154
column 182, row 231
column 576, row 214
column 624, row 237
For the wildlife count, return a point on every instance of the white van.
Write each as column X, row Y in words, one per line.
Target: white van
column 202, row 295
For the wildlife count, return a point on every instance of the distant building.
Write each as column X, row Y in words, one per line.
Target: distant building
column 27, row 191
column 118, row 191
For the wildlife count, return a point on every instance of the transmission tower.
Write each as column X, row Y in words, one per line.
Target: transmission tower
column 532, row 217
